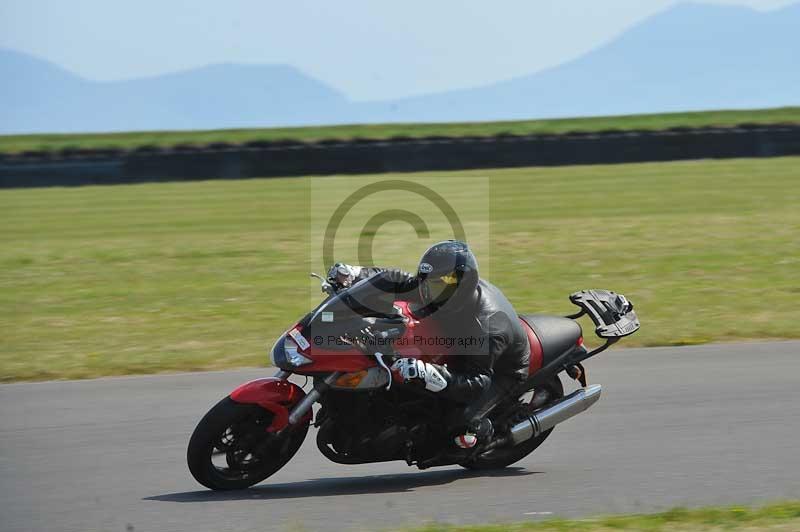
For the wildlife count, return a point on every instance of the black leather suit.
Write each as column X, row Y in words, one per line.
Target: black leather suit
column 495, row 353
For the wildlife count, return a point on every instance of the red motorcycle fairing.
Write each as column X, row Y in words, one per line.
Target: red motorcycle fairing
column 274, row 395
column 417, row 331
column 327, row 361
column 411, row 344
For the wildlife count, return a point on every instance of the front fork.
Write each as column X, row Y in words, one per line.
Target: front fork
column 299, row 411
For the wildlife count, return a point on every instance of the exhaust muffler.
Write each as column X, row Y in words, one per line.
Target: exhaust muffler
column 547, row 418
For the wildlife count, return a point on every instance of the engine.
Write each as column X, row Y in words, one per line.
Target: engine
column 356, row 428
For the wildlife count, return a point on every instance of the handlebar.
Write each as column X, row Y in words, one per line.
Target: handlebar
column 326, row 287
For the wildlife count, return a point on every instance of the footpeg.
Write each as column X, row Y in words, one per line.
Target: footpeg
column 578, row 373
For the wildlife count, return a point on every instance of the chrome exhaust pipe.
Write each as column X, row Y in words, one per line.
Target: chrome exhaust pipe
column 549, row 417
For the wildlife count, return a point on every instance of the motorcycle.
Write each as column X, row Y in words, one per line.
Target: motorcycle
column 364, row 417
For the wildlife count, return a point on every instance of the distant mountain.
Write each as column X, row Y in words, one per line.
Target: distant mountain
column 693, row 56
column 43, row 97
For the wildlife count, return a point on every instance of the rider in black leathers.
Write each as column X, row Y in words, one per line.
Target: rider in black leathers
column 477, row 319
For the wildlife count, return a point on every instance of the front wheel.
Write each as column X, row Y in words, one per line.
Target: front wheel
column 505, row 456
column 231, row 448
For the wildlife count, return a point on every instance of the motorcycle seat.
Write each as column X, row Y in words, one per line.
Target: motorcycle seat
column 556, row 335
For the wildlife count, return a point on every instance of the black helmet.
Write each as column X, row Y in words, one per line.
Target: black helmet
column 448, row 272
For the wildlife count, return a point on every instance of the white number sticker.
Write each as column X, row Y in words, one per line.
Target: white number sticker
column 302, row 343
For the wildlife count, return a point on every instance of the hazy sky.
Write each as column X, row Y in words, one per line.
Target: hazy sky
column 366, row 49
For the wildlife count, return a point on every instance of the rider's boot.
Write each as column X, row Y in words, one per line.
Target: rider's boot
column 478, row 431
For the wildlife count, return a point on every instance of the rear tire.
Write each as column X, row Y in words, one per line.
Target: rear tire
column 504, row 457
column 238, row 432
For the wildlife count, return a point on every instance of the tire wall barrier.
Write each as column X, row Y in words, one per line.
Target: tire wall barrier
column 264, row 159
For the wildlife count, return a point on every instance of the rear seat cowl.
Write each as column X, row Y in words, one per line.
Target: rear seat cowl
column 556, row 335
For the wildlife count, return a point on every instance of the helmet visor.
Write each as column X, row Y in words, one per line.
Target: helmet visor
column 438, row 289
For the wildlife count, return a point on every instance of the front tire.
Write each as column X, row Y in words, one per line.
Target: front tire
column 231, row 449
column 504, row 457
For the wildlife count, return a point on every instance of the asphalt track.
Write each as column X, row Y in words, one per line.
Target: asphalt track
column 690, row 426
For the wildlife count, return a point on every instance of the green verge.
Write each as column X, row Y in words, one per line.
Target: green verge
column 190, row 276
column 131, row 140
column 777, row 517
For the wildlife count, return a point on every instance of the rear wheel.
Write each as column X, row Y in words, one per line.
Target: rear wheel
column 505, row 456
column 231, row 448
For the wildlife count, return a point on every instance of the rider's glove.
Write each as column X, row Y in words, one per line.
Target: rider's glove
column 412, row 370
column 342, row 275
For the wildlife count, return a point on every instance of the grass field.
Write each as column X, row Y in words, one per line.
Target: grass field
column 775, row 517
column 52, row 142
column 188, row 276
